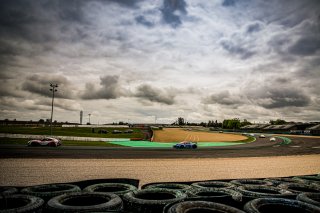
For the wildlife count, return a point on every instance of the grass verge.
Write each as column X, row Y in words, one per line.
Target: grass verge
column 72, row 131
column 23, row 141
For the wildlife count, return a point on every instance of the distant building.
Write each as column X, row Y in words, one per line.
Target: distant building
column 254, row 127
column 314, row 130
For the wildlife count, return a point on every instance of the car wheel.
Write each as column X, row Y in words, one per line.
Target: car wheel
column 53, row 144
column 34, row 144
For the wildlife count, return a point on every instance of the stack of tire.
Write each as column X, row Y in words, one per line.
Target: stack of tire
column 287, row 194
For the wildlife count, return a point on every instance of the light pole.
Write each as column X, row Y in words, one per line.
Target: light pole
column 53, row 89
column 89, row 119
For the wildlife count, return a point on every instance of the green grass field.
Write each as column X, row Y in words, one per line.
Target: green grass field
column 23, row 141
column 72, row 131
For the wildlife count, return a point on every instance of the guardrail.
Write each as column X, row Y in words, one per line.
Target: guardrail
column 69, row 138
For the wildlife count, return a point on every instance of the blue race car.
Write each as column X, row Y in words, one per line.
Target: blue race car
column 185, row 145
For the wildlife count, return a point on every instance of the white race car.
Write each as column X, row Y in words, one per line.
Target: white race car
column 272, row 139
column 45, row 142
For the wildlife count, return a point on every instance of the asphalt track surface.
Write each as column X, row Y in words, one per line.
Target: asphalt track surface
column 262, row 147
column 23, row 166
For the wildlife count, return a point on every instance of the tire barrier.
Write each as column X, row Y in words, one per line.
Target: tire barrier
column 278, row 181
column 298, row 188
column 123, row 196
column 48, row 191
column 312, row 198
column 7, row 190
column 200, row 206
column 264, row 205
column 20, row 203
column 116, row 188
column 175, row 186
column 251, row 182
column 84, row 202
column 213, row 184
column 253, row 192
column 151, row 200
column 218, row 195
column 86, row 183
column 308, row 179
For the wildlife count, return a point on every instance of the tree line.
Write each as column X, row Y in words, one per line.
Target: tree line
column 234, row 123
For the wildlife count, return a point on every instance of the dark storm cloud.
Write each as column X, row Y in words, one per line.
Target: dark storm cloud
column 9, row 89
column 110, row 89
column 280, row 92
column 305, row 46
column 40, row 84
column 224, row 98
column 228, row 3
column 280, row 98
column 129, row 3
column 146, row 92
column 169, row 9
column 236, row 49
column 254, row 27
column 142, row 20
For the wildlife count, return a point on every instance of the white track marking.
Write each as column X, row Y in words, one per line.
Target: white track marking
column 316, row 147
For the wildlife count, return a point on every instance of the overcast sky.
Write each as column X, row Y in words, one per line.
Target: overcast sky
column 123, row 60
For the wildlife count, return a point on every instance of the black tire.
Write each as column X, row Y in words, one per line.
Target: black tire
column 20, row 203
column 200, row 206
column 282, row 180
column 48, row 191
column 311, row 198
column 263, row 205
column 151, row 200
column 224, row 196
column 298, row 188
column 213, row 184
column 7, row 190
column 115, row 188
column 308, row 179
column 34, row 144
column 175, row 186
column 253, row 192
column 84, row 202
column 250, row 182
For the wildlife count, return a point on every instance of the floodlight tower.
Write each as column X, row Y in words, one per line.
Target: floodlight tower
column 89, row 118
column 53, row 89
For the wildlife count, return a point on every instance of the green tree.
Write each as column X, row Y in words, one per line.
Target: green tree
column 277, row 122
column 181, row 121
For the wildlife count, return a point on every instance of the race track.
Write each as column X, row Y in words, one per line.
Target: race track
column 260, row 148
column 21, row 165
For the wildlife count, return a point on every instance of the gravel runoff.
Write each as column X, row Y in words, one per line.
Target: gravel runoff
column 25, row 172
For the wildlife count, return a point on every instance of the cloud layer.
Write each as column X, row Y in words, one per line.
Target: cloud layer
column 139, row 59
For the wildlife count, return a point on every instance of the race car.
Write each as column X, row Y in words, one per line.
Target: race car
column 45, row 142
column 185, row 145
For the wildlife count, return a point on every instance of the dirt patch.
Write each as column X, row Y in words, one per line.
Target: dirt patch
column 177, row 135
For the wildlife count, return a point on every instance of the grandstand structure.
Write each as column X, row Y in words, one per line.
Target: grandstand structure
column 290, row 128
